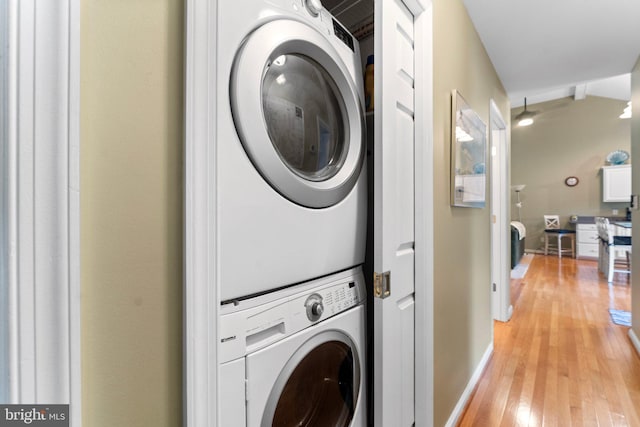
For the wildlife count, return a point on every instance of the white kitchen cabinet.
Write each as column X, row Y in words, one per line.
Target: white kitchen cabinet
column 616, row 183
column 587, row 241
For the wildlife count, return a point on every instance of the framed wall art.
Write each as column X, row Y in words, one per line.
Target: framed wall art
column 468, row 155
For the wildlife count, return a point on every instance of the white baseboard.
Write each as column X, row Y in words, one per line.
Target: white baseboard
column 634, row 340
column 471, row 385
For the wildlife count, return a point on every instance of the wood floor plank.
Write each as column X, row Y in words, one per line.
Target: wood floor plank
column 560, row 361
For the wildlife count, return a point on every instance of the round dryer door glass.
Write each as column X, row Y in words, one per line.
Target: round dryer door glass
column 303, row 114
column 298, row 112
column 322, row 390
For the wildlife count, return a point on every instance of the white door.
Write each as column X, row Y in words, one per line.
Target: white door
column 500, row 253
column 394, row 257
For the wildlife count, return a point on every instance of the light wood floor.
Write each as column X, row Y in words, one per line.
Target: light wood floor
column 561, row 361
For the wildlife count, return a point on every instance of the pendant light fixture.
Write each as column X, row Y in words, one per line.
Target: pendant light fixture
column 525, row 118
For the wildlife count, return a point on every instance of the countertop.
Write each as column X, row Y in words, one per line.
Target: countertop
column 592, row 219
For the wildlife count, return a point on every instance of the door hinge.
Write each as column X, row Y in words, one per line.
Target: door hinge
column 494, row 287
column 382, row 284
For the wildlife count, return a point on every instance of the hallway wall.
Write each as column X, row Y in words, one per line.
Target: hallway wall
column 131, row 212
column 463, row 322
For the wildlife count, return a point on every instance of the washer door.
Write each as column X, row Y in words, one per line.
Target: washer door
column 298, row 114
column 318, row 386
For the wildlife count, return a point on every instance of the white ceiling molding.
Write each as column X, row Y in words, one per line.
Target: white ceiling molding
column 617, row 87
column 517, row 99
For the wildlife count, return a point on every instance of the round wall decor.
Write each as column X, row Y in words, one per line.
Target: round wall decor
column 571, row 181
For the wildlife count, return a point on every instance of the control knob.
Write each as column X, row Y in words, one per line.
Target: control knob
column 314, row 306
column 313, row 6
column 317, row 309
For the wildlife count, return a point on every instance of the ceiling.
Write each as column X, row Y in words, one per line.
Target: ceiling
column 548, row 49
column 543, row 49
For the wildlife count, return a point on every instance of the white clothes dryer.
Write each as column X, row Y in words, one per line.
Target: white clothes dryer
column 296, row 357
column 290, row 146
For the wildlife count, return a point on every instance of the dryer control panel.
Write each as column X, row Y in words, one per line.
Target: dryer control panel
column 249, row 325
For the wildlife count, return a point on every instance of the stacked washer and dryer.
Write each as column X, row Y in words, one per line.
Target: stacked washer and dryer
column 292, row 209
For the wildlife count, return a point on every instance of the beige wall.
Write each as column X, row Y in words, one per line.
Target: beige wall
column 569, row 138
column 463, row 322
column 131, row 212
column 131, row 130
column 635, row 185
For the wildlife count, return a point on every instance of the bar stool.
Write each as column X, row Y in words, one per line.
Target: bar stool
column 553, row 231
column 613, row 245
column 603, row 243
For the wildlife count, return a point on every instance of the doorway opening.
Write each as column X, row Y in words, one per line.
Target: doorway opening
column 500, row 265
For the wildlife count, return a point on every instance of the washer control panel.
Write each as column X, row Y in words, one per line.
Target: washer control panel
column 252, row 324
column 337, row 298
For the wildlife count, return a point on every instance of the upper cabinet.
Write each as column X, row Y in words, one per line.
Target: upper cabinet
column 616, row 183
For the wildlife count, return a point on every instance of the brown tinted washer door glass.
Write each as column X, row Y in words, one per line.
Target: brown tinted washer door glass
column 320, row 391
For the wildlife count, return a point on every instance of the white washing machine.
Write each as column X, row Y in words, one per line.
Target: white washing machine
column 296, row 357
column 290, row 146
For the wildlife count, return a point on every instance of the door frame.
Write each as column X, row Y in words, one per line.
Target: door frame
column 634, row 331
column 42, row 198
column 501, row 292
column 424, row 215
column 201, row 294
column 201, row 335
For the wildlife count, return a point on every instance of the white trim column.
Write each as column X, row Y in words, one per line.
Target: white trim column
column 43, row 202
column 200, row 262
column 424, row 226
column 4, row 188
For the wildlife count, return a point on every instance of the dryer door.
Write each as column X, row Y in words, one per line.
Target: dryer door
column 318, row 386
column 298, row 113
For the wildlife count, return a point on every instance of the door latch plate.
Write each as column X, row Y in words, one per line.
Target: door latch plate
column 382, row 284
